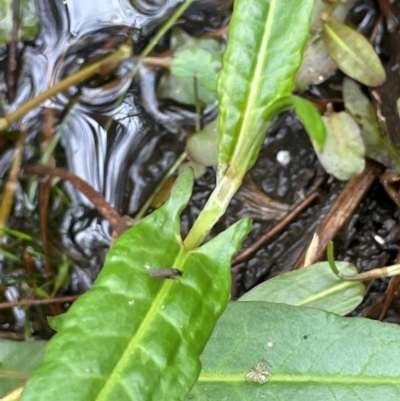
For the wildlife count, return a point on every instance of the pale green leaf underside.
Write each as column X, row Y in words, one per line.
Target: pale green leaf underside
column 264, row 51
column 343, row 154
column 377, row 146
column 314, row 286
column 311, row 356
column 137, row 337
column 352, row 53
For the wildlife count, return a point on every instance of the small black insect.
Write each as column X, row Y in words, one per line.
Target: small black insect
column 165, row 272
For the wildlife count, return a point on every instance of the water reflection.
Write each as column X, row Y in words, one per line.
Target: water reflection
column 106, row 138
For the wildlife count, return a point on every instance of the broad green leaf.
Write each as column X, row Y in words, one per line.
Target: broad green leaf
column 17, row 360
column 264, row 51
column 314, row 286
column 308, row 115
column 377, row 146
column 189, row 61
column 197, row 63
column 135, row 336
column 182, row 90
column 352, row 53
column 202, row 147
column 29, row 21
column 311, row 355
column 343, row 154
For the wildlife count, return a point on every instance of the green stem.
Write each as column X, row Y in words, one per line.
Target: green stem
column 171, row 171
column 198, row 106
column 121, row 54
column 214, row 208
column 331, row 259
column 171, row 21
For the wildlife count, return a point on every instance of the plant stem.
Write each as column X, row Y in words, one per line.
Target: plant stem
column 171, row 171
column 121, row 54
column 11, row 185
column 179, row 11
column 214, row 208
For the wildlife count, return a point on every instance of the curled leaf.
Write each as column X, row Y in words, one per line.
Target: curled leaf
column 309, row 116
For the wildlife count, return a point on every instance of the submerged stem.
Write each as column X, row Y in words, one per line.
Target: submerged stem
column 121, row 54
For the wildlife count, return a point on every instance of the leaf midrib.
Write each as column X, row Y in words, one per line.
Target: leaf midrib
column 326, row 378
column 342, row 44
column 254, row 92
column 326, row 292
column 135, row 341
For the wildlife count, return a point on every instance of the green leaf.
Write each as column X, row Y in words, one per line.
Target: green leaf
column 352, row 53
column 29, row 21
column 202, row 147
column 17, row 360
column 311, row 355
column 308, row 115
column 265, row 46
column 343, row 154
column 192, row 58
column 377, row 146
column 62, row 275
column 314, row 286
column 17, row 234
column 138, row 337
column 197, row 63
column 10, row 255
column 181, row 89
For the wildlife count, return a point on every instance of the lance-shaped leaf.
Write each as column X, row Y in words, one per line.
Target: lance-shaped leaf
column 292, row 353
column 138, row 335
column 352, row 53
column 264, row 51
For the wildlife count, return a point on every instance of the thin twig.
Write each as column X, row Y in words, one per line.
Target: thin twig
column 343, row 208
column 29, row 302
column 9, row 190
column 118, row 222
column 12, row 53
column 111, row 61
column 267, row 236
